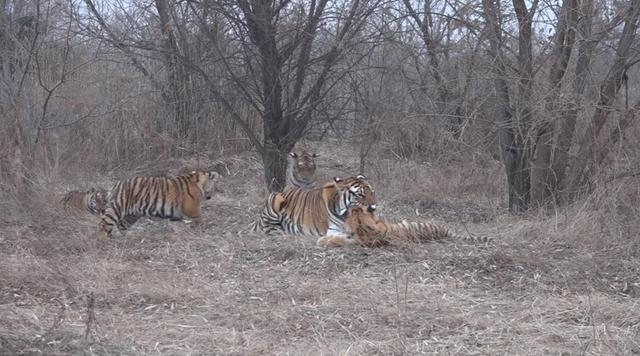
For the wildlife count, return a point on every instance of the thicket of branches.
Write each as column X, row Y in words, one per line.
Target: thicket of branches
column 549, row 88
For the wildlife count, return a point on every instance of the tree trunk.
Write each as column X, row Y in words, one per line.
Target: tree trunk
column 5, row 43
column 566, row 126
column 586, row 162
column 544, row 180
column 514, row 144
column 275, row 160
column 177, row 75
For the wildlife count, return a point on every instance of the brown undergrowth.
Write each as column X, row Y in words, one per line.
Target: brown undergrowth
column 562, row 282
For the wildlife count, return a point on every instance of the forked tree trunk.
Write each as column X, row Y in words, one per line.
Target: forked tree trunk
column 544, row 180
column 566, row 126
column 584, row 167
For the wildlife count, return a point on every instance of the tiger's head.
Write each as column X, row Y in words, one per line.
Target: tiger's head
column 367, row 229
column 97, row 200
column 205, row 181
column 304, row 168
column 353, row 192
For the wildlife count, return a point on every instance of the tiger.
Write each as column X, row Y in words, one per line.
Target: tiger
column 369, row 231
column 319, row 212
column 94, row 201
column 172, row 198
column 303, row 170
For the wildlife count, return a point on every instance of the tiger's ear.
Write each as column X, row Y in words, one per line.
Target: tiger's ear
column 314, row 155
column 337, row 179
column 361, row 176
column 92, row 190
column 193, row 172
column 293, row 154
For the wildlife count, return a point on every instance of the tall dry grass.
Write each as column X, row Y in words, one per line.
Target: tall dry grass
column 556, row 281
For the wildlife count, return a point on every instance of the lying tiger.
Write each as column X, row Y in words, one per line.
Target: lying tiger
column 369, row 231
column 158, row 197
column 319, row 212
column 93, row 201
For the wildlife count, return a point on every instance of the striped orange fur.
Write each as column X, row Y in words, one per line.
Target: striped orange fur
column 371, row 231
column 169, row 198
column 93, row 201
column 317, row 212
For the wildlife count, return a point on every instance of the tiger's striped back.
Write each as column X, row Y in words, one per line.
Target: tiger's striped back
column 318, row 211
column 93, row 201
column 162, row 197
column 303, row 170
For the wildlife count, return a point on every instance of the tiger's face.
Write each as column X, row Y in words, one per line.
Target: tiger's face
column 358, row 191
column 97, row 200
column 304, row 164
column 206, row 182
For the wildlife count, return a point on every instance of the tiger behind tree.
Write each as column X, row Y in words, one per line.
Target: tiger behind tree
column 370, row 231
column 94, row 201
column 169, row 198
column 303, row 170
column 318, row 212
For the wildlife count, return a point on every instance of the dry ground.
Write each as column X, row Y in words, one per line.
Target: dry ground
column 557, row 284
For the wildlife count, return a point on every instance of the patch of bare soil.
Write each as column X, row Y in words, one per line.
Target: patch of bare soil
column 170, row 288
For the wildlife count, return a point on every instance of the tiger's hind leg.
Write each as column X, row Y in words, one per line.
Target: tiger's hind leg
column 270, row 220
column 111, row 219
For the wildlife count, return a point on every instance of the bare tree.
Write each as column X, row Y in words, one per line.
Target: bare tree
column 536, row 140
column 294, row 55
column 543, row 176
column 587, row 161
column 435, row 27
column 514, row 144
column 295, row 49
column 178, row 76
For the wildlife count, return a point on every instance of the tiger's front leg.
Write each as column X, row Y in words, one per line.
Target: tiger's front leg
column 337, row 236
column 192, row 211
column 336, row 241
column 108, row 220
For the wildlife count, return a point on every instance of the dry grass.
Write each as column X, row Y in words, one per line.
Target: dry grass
column 563, row 283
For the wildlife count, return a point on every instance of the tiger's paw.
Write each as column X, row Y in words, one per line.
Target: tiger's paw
column 335, row 241
column 102, row 236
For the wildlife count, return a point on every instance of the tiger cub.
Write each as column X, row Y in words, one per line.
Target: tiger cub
column 93, row 201
column 369, row 231
column 162, row 197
